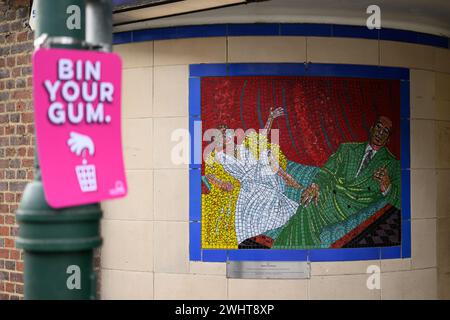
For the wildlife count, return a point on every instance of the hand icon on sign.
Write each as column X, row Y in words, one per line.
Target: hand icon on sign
column 78, row 142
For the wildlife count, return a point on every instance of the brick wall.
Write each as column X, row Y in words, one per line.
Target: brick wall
column 16, row 136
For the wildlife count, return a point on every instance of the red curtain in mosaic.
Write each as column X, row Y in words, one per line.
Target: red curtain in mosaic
column 322, row 112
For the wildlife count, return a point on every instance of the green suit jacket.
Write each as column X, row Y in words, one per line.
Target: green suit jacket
column 342, row 194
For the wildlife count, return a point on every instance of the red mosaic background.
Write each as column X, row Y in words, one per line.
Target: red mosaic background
column 322, row 112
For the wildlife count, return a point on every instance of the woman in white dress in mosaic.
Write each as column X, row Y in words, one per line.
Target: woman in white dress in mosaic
column 261, row 205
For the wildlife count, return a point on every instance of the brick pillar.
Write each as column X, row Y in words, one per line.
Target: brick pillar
column 16, row 136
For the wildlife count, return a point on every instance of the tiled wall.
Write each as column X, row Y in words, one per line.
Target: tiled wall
column 145, row 252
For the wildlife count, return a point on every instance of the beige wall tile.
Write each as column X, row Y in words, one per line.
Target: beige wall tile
column 171, row 91
column 137, row 93
column 138, row 204
column 126, row 285
column 267, row 289
column 190, row 287
column 407, row 55
column 423, row 108
column 422, row 83
column 421, row 284
column 392, row 285
column 423, row 146
column 443, row 139
column 342, row 50
column 443, row 244
column 342, row 267
column 165, row 148
column 442, row 86
column 135, row 55
column 443, row 109
column 171, row 247
column 352, row 287
column 171, row 194
column 137, row 143
column 423, row 104
column 188, row 51
column 444, row 285
column 442, row 60
column 423, row 243
column 443, row 257
column 127, row 245
column 389, row 265
column 208, row 268
column 266, row 49
column 443, row 198
column 423, row 193
column 416, row 284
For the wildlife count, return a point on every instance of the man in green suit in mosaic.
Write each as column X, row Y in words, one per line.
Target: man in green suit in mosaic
column 356, row 176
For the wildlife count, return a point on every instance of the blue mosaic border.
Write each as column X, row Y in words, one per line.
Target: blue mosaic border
column 290, row 69
column 280, row 29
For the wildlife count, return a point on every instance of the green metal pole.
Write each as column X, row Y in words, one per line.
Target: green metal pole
column 99, row 23
column 59, row 18
column 58, row 244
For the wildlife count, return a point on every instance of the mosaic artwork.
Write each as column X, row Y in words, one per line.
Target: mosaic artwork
column 329, row 178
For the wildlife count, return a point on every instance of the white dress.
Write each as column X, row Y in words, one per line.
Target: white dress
column 261, row 205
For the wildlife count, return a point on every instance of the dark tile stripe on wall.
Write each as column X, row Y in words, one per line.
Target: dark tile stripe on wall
column 280, row 29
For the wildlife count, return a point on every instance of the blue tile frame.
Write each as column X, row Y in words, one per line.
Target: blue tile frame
column 280, row 29
column 197, row 71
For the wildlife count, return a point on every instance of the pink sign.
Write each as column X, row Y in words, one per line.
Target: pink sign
column 77, row 98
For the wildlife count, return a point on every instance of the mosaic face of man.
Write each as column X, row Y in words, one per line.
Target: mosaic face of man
column 380, row 132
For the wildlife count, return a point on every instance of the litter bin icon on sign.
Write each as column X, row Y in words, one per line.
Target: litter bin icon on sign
column 86, row 177
column 86, row 173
